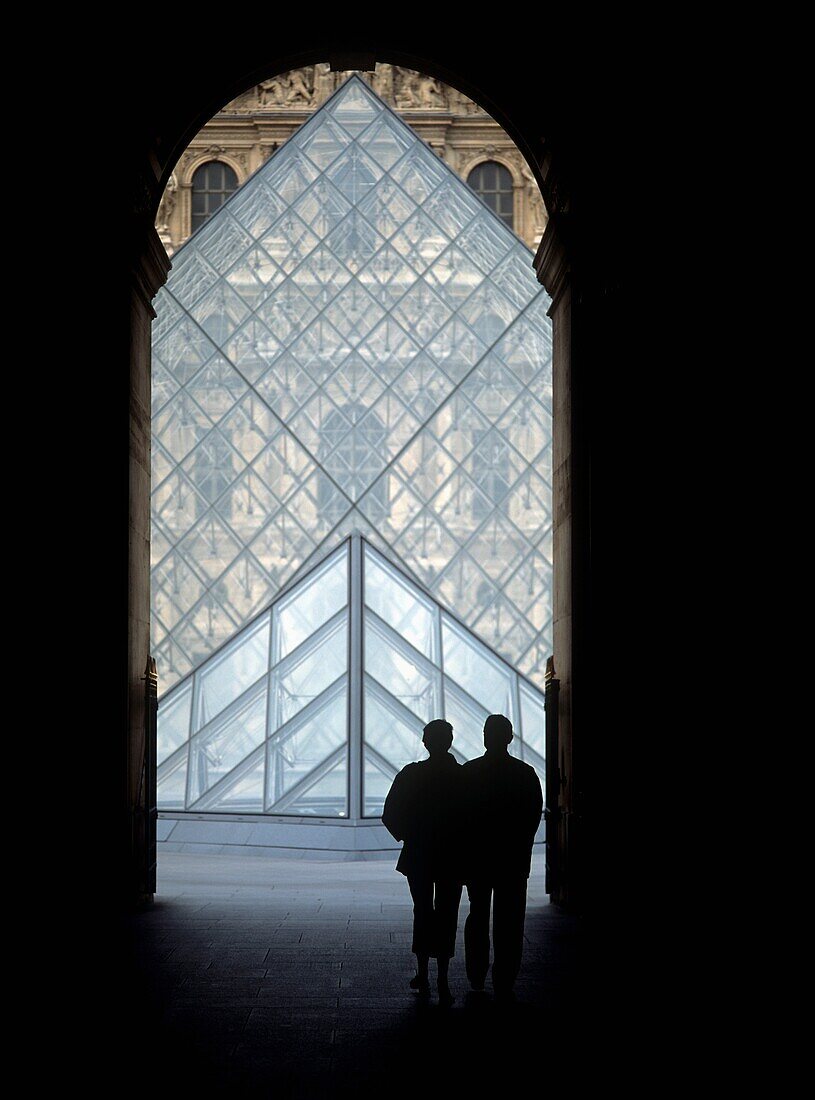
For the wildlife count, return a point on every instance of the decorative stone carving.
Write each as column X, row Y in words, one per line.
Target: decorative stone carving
column 431, row 93
column 382, row 83
column 461, row 104
column 167, row 205
column 294, row 89
column 271, row 92
column 534, row 199
column 416, row 90
column 324, row 83
column 280, row 103
column 406, row 87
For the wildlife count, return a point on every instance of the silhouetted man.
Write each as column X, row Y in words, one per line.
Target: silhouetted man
column 503, row 803
column 422, row 809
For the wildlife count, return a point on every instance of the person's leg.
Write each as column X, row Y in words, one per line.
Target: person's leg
column 421, row 981
column 421, row 890
column 477, row 933
column 447, row 900
column 509, row 911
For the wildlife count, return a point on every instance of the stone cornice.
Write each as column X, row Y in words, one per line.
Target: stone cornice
column 150, row 268
column 551, row 261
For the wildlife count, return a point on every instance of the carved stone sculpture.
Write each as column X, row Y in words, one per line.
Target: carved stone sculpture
column 167, row 204
column 431, row 93
column 534, row 199
column 407, row 92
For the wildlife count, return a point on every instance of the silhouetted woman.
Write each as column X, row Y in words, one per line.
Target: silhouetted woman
column 423, row 810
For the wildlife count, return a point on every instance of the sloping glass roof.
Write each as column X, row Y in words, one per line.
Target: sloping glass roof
column 353, row 341
column 315, row 705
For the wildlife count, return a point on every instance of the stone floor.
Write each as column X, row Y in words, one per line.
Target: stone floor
column 252, row 976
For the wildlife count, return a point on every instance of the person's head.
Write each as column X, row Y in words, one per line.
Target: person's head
column 497, row 732
column 437, row 736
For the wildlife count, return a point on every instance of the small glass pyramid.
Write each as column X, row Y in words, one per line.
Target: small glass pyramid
column 354, row 341
column 268, row 723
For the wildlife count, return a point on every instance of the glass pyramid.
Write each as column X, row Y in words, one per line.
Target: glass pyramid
column 316, row 704
column 354, row 341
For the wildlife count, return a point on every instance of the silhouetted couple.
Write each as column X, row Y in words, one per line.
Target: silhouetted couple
column 470, row 824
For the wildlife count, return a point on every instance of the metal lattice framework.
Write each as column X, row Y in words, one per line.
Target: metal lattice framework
column 354, row 341
column 318, row 702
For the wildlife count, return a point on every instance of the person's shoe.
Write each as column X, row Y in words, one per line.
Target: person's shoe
column 446, row 998
column 420, row 984
column 478, row 987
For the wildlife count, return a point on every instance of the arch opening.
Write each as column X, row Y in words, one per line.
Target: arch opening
column 352, row 300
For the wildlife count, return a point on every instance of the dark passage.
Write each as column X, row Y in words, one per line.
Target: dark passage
column 289, row 978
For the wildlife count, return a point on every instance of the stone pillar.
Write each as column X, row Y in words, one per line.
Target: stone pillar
column 554, row 271
column 149, row 267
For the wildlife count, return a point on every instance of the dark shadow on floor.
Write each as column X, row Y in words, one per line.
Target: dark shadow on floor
column 288, row 979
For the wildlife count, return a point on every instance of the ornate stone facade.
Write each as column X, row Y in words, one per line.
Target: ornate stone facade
column 250, row 128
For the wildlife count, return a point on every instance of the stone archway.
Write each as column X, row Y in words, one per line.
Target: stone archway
column 149, row 265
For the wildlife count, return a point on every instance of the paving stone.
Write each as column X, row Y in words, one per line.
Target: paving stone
column 283, row 977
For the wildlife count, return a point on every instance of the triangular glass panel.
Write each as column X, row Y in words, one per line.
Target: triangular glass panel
column 306, row 673
column 174, row 728
column 469, row 664
column 467, row 718
column 327, row 797
column 301, row 751
column 277, row 740
column 390, row 730
column 376, row 782
column 243, row 793
column 401, row 671
column 311, row 603
column 171, row 786
column 231, row 671
column 354, row 106
column 225, row 743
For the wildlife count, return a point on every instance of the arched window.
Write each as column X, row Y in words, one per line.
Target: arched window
column 212, row 184
column 493, row 183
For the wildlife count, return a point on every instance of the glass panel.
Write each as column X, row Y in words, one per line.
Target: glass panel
column 224, row 744
column 388, row 731
column 211, row 545
column 467, row 719
column 173, row 725
column 472, row 666
column 325, row 143
column 300, row 679
column 353, row 326
column 386, row 141
column 293, row 754
column 228, row 675
column 171, row 787
column 354, row 106
column 415, row 684
column 244, row 588
column 245, row 794
column 399, row 604
column 328, row 797
column 310, row 605
column 375, row 786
